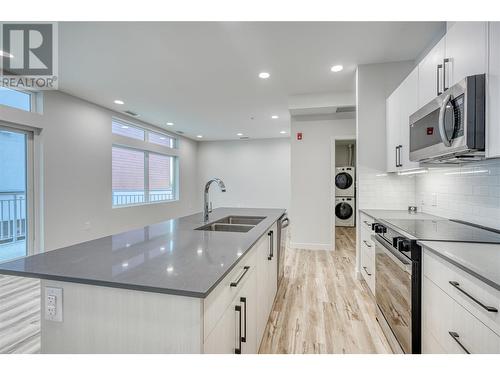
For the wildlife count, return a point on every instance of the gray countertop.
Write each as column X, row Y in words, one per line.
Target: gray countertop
column 168, row 257
column 479, row 260
column 398, row 214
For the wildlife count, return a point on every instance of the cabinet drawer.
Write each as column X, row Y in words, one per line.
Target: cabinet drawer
column 467, row 290
column 368, row 267
column 220, row 298
column 449, row 328
column 366, row 221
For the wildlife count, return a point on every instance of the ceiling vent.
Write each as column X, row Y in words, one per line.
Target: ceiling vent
column 179, row 132
column 130, row 113
column 348, row 109
column 243, row 138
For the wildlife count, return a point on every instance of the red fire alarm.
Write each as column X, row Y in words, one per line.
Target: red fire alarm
column 299, row 136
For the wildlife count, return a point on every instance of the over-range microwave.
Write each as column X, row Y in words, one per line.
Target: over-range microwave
column 451, row 128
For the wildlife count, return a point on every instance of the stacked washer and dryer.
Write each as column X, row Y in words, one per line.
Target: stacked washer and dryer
column 345, row 204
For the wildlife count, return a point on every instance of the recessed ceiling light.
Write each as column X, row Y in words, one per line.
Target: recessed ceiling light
column 275, row 117
column 120, row 102
column 170, row 269
column 199, row 136
column 336, row 68
column 240, row 134
column 264, row 75
column 6, row 54
column 170, row 123
column 282, row 132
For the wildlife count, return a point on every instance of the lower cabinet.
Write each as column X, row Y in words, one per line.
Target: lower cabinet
column 237, row 311
column 367, row 252
column 450, row 322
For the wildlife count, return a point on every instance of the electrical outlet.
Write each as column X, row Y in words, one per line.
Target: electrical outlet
column 53, row 304
column 434, row 199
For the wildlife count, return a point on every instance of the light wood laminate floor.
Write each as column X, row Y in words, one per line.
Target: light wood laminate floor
column 321, row 307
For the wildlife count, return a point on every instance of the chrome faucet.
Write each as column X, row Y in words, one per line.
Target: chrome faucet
column 206, row 208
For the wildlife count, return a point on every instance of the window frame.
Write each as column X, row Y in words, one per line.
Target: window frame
column 148, row 148
column 32, row 100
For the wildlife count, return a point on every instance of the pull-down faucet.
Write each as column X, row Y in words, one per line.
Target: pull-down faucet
column 206, row 208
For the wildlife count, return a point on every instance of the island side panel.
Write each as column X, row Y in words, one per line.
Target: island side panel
column 110, row 320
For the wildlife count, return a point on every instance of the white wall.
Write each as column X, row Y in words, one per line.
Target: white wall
column 470, row 193
column 311, row 179
column 256, row 172
column 75, row 159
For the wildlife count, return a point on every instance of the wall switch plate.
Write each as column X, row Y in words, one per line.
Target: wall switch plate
column 53, row 304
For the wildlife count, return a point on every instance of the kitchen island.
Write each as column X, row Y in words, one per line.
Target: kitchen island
column 165, row 288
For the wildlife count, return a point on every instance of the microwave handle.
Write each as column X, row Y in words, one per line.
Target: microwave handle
column 440, row 66
column 442, row 131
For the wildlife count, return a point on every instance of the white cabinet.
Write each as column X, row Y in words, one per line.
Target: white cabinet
column 267, row 275
column 367, row 250
column 452, row 321
column 430, row 70
column 493, row 90
column 399, row 106
column 236, row 331
column 237, row 311
column 465, row 51
column 392, row 131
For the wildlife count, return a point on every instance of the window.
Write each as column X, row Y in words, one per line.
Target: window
column 144, row 168
column 16, row 99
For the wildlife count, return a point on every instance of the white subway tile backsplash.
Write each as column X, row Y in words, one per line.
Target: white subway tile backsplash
column 470, row 192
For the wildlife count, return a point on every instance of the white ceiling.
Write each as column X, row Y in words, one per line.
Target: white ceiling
column 203, row 75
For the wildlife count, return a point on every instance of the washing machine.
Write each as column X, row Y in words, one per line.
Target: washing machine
column 345, row 212
column 344, row 181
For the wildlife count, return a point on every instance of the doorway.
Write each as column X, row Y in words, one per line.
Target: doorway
column 16, row 193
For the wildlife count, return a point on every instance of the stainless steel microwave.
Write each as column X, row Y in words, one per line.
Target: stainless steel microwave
column 451, row 128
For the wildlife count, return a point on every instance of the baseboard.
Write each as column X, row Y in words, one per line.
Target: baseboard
column 311, row 246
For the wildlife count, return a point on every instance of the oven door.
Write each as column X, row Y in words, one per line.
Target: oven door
column 393, row 291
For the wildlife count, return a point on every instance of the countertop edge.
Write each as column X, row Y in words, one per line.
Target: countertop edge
column 426, row 245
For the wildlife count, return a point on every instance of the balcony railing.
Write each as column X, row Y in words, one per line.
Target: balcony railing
column 123, row 197
column 12, row 216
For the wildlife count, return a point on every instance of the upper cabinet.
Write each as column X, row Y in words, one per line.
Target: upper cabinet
column 493, row 93
column 399, row 106
column 466, row 51
column 460, row 53
column 430, row 74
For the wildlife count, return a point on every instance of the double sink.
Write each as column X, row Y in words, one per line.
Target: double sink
column 233, row 223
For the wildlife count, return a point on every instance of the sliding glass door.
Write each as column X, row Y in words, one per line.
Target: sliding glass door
column 16, row 182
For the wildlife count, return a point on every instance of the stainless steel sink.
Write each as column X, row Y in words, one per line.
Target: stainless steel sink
column 244, row 220
column 222, row 227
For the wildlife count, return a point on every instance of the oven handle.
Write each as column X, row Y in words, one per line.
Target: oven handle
column 442, row 131
column 404, row 263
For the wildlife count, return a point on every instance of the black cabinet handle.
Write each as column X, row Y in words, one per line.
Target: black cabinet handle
column 271, row 245
column 237, row 350
column 367, row 244
column 440, row 66
column 366, row 270
column 397, row 164
column 445, row 61
column 244, row 337
column 245, row 270
column 456, row 337
column 487, row 308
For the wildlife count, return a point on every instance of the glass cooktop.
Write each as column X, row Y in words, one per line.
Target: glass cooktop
column 445, row 230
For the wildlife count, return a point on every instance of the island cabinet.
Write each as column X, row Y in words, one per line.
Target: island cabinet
column 230, row 318
column 237, row 311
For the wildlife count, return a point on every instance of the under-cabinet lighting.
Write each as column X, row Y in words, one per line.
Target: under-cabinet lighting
column 418, row 171
column 468, row 172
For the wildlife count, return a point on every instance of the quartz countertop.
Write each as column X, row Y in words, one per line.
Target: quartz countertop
column 480, row 260
column 398, row 214
column 168, row 257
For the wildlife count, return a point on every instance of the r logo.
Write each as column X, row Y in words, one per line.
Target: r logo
column 30, row 49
